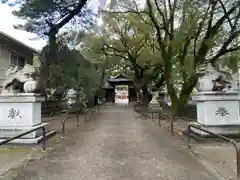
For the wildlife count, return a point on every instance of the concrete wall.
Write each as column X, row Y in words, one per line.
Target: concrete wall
column 7, row 46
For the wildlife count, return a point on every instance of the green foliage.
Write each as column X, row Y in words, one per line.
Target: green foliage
column 43, row 16
column 189, row 34
column 72, row 71
column 124, row 39
column 175, row 36
column 166, row 40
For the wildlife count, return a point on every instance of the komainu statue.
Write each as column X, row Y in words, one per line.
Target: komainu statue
column 21, row 80
column 215, row 80
column 221, row 84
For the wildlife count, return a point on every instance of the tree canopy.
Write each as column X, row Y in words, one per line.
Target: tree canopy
column 119, row 41
column 161, row 42
column 47, row 17
column 189, row 33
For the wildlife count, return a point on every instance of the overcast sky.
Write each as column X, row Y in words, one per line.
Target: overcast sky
column 8, row 20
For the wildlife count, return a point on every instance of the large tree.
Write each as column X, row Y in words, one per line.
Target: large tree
column 46, row 18
column 191, row 33
column 134, row 47
column 71, row 71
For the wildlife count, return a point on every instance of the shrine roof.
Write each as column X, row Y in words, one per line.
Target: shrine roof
column 119, row 78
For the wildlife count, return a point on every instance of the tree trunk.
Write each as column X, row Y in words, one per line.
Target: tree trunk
column 159, row 83
column 185, row 93
column 178, row 103
column 138, row 94
column 170, row 86
column 146, row 95
column 173, row 96
column 43, row 70
column 48, row 55
column 52, row 48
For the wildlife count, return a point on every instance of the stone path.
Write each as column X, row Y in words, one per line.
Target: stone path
column 118, row 146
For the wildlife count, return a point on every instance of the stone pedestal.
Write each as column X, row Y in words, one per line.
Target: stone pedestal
column 218, row 112
column 19, row 113
column 154, row 101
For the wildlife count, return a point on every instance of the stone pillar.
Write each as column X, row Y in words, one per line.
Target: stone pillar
column 19, row 113
column 217, row 112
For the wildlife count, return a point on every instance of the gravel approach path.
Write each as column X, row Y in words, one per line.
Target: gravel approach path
column 119, row 145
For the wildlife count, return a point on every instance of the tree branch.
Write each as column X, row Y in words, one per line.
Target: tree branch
column 225, row 12
column 199, row 30
column 224, row 48
column 67, row 18
column 109, row 54
column 223, row 18
column 223, row 52
column 171, row 19
column 158, row 29
column 204, row 47
column 183, row 56
column 165, row 26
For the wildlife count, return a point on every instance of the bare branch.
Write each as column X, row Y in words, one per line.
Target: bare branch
column 224, row 48
column 220, row 22
column 55, row 28
column 200, row 27
column 225, row 12
column 171, row 19
column 158, row 29
column 165, row 26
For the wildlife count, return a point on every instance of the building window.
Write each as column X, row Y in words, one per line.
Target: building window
column 16, row 60
column 21, row 61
